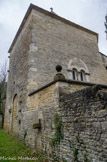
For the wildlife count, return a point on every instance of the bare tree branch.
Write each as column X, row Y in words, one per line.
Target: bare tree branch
column 3, row 79
column 3, row 72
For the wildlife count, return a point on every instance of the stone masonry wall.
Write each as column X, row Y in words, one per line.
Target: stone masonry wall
column 39, row 103
column 18, row 78
column 83, row 123
column 55, row 42
column 104, row 58
column 36, row 104
column 84, row 117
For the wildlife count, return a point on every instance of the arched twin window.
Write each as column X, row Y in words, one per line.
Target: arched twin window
column 78, row 70
column 76, row 75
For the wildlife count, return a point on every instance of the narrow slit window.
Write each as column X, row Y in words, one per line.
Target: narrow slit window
column 73, row 75
column 81, row 76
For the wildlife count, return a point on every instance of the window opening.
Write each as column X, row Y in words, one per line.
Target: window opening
column 73, row 75
column 81, row 76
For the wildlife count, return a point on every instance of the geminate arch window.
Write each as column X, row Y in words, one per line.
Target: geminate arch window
column 78, row 70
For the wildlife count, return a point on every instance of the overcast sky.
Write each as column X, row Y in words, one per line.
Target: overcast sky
column 87, row 13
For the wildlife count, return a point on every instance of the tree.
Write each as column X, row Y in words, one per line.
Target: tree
column 3, row 84
column 106, row 25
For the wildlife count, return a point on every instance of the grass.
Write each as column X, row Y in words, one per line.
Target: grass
column 12, row 149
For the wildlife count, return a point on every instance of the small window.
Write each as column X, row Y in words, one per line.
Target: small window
column 82, row 75
column 74, row 74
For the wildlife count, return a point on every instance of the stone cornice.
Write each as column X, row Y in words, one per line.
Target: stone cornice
column 66, row 81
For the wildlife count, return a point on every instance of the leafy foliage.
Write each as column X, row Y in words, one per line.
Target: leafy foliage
column 25, row 134
column 76, row 148
column 85, row 157
column 75, row 153
column 58, row 135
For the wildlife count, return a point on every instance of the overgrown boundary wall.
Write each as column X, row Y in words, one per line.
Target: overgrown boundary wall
column 83, row 122
column 84, row 117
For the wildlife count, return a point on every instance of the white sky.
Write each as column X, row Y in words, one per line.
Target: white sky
column 87, row 13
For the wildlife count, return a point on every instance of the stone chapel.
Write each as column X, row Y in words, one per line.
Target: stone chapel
column 43, row 41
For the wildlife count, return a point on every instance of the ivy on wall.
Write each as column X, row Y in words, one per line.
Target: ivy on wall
column 58, row 135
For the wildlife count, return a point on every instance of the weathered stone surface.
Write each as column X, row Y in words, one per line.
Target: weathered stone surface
column 84, row 123
column 43, row 43
column 18, row 79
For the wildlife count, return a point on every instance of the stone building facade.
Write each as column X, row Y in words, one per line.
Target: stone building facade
column 43, row 41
